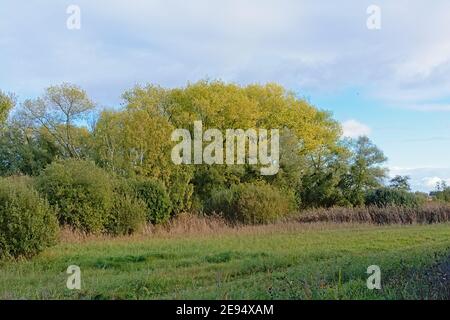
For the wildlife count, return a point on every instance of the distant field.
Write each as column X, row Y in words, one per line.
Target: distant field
column 322, row 262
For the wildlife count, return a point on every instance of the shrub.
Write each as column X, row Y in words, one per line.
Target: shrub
column 384, row 197
column 27, row 222
column 251, row 203
column 128, row 215
column 221, row 201
column 261, row 203
column 81, row 192
column 154, row 194
column 180, row 189
column 442, row 195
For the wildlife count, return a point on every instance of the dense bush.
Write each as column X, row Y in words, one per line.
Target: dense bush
column 443, row 194
column 154, row 194
column 251, row 203
column 180, row 189
column 81, row 192
column 222, row 200
column 384, row 197
column 315, row 163
column 261, row 203
column 27, row 222
column 128, row 215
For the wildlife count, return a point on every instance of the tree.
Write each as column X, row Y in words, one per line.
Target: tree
column 136, row 142
column 60, row 111
column 441, row 185
column 365, row 172
column 7, row 102
column 442, row 191
column 400, row 183
column 304, row 129
column 24, row 151
column 383, row 197
column 322, row 184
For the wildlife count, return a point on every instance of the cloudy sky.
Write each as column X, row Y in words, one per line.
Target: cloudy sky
column 392, row 84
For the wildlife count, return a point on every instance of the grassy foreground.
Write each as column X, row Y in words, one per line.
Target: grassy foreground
column 296, row 262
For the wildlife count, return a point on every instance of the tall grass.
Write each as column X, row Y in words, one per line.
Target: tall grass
column 191, row 224
column 426, row 214
column 309, row 261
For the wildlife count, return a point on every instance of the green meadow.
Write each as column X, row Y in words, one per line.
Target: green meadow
column 299, row 262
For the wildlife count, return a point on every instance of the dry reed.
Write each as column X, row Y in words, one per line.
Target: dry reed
column 426, row 214
column 189, row 224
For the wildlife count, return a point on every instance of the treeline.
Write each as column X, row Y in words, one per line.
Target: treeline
column 442, row 192
column 111, row 170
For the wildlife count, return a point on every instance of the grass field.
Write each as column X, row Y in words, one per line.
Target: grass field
column 297, row 262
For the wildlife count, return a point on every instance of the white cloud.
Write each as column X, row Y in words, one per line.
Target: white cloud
column 354, row 129
column 305, row 45
column 422, row 178
column 308, row 46
column 431, row 182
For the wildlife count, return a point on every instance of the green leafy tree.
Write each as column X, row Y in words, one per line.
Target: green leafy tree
column 28, row 224
column 24, row 151
column 154, row 194
column 442, row 192
column 365, row 170
column 60, row 111
column 383, row 197
column 81, row 192
column 322, row 184
column 400, row 183
column 136, row 142
column 304, row 129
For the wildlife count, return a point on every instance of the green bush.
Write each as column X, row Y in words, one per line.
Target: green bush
column 81, row 192
column 384, row 197
column 128, row 215
column 180, row 189
column 27, row 223
column 154, row 194
column 442, row 195
column 251, row 203
column 222, row 200
column 261, row 203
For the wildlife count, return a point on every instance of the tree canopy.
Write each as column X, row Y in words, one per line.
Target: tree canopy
column 316, row 164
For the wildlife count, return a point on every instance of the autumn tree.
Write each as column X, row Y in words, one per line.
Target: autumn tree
column 135, row 143
column 304, row 129
column 7, row 102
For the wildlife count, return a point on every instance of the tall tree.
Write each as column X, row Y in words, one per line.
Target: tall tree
column 321, row 185
column 24, row 151
column 400, row 183
column 60, row 111
column 366, row 171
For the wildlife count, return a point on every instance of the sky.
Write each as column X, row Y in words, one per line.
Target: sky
column 391, row 83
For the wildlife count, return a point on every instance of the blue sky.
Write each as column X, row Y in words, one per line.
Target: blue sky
column 392, row 84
